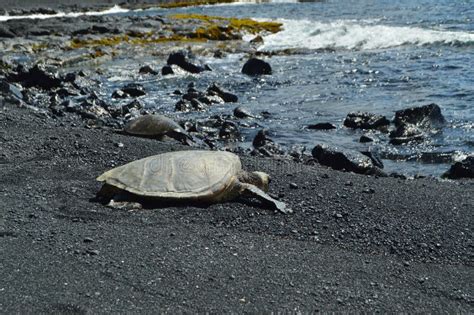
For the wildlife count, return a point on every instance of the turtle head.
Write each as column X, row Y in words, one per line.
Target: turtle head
column 258, row 179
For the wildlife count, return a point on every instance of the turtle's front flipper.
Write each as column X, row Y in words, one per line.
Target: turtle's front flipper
column 250, row 190
column 182, row 137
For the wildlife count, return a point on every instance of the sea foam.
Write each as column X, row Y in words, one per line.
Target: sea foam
column 357, row 35
column 115, row 9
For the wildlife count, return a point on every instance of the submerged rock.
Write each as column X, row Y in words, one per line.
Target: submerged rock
column 134, row 89
column 463, row 169
column 364, row 120
column 241, row 112
column 406, row 133
column 322, row 126
column 255, row 66
column 365, row 139
column 147, row 70
column 225, row 95
column 181, row 60
column 428, row 116
column 167, row 70
column 130, row 90
column 344, row 159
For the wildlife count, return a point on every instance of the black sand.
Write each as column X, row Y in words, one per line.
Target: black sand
column 354, row 243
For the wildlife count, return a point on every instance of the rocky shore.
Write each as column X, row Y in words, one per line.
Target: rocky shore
column 357, row 240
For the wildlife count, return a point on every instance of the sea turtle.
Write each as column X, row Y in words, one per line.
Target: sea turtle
column 189, row 176
column 157, row 126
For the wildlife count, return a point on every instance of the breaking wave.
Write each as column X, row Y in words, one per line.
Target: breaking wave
column 358, row 35
column 115, row 9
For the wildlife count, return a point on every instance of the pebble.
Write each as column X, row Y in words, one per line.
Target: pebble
column 293, row 186
column 88, row 240
column 93, row 252
column 119, row 145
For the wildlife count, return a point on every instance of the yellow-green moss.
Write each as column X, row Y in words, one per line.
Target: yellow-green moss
column 39, row 47
column 104, row 41
column 235, row 24
column 182, row 4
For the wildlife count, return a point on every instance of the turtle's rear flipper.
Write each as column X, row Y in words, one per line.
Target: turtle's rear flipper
column 250, row 190
column 124, row 205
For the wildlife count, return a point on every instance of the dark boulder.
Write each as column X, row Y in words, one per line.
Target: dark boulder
column 198, row 105
column 192, row 93
column 264, row 146
column 147, row 70
column 229, row 131
column 119, row 94
column 37, row 76
column 134, row 89
column 255, row 66
column 241, row 112
column 5, row 32
column 257, row 40
column 463, row 169
column 225, row 95
column 181, row 60
column 322, row 126
column 365, row 139
column 374, row 157
column 261, row 138
column 166, row 70
column 344, row 159
column 428, row 116
column 364, row 120
column 183, row 106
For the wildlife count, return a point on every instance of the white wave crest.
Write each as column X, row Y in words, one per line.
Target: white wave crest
column 356, row 35
column 113, row 10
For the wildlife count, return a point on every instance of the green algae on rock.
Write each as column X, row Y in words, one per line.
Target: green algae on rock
column 214, row 28
column 182, row 4
column 236, row 24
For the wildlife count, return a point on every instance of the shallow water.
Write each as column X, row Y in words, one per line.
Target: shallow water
column 376, row 56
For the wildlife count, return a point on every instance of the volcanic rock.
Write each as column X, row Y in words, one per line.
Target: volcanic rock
column 344, row 159
column 181, row 60
column 364, row 120
column 255, row 66
column 428, row 116
column 463, row 169
column 322, row 126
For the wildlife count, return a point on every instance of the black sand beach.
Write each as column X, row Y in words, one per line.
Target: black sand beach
column 354, row 242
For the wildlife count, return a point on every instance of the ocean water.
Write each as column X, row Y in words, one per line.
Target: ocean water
column 376, row 56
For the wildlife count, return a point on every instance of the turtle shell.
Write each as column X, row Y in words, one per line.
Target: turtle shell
column 178, row 175
column 151, row 125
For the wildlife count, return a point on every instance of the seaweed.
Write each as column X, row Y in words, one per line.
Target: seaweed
column 182, row 4
column 235, row 24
